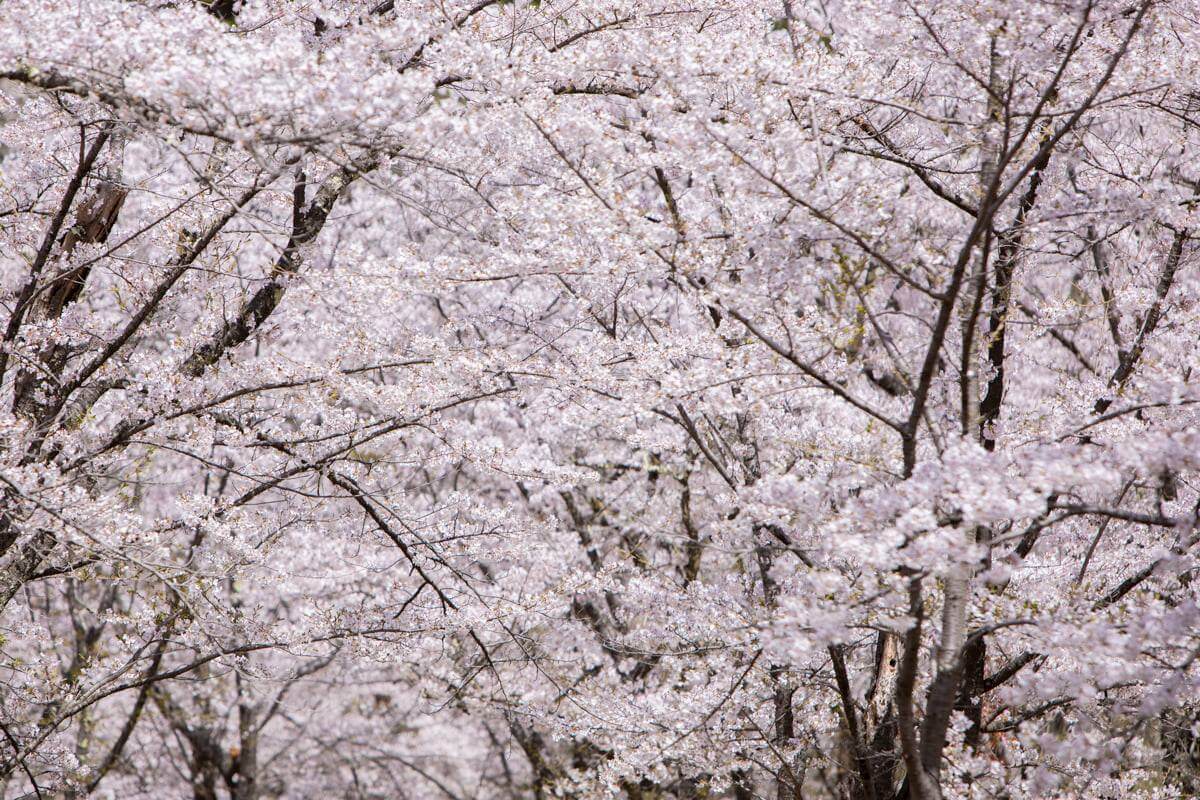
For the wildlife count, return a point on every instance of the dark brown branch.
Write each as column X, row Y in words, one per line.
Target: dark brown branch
column 307, row 223
column 25, row 296
column 1129, row 359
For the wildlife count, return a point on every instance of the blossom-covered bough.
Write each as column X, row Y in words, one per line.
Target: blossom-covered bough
column 608, row 399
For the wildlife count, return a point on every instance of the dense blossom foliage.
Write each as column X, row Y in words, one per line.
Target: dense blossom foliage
column 625, row 398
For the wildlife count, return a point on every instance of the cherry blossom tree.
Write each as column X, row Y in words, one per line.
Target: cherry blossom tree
column 641, row 399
